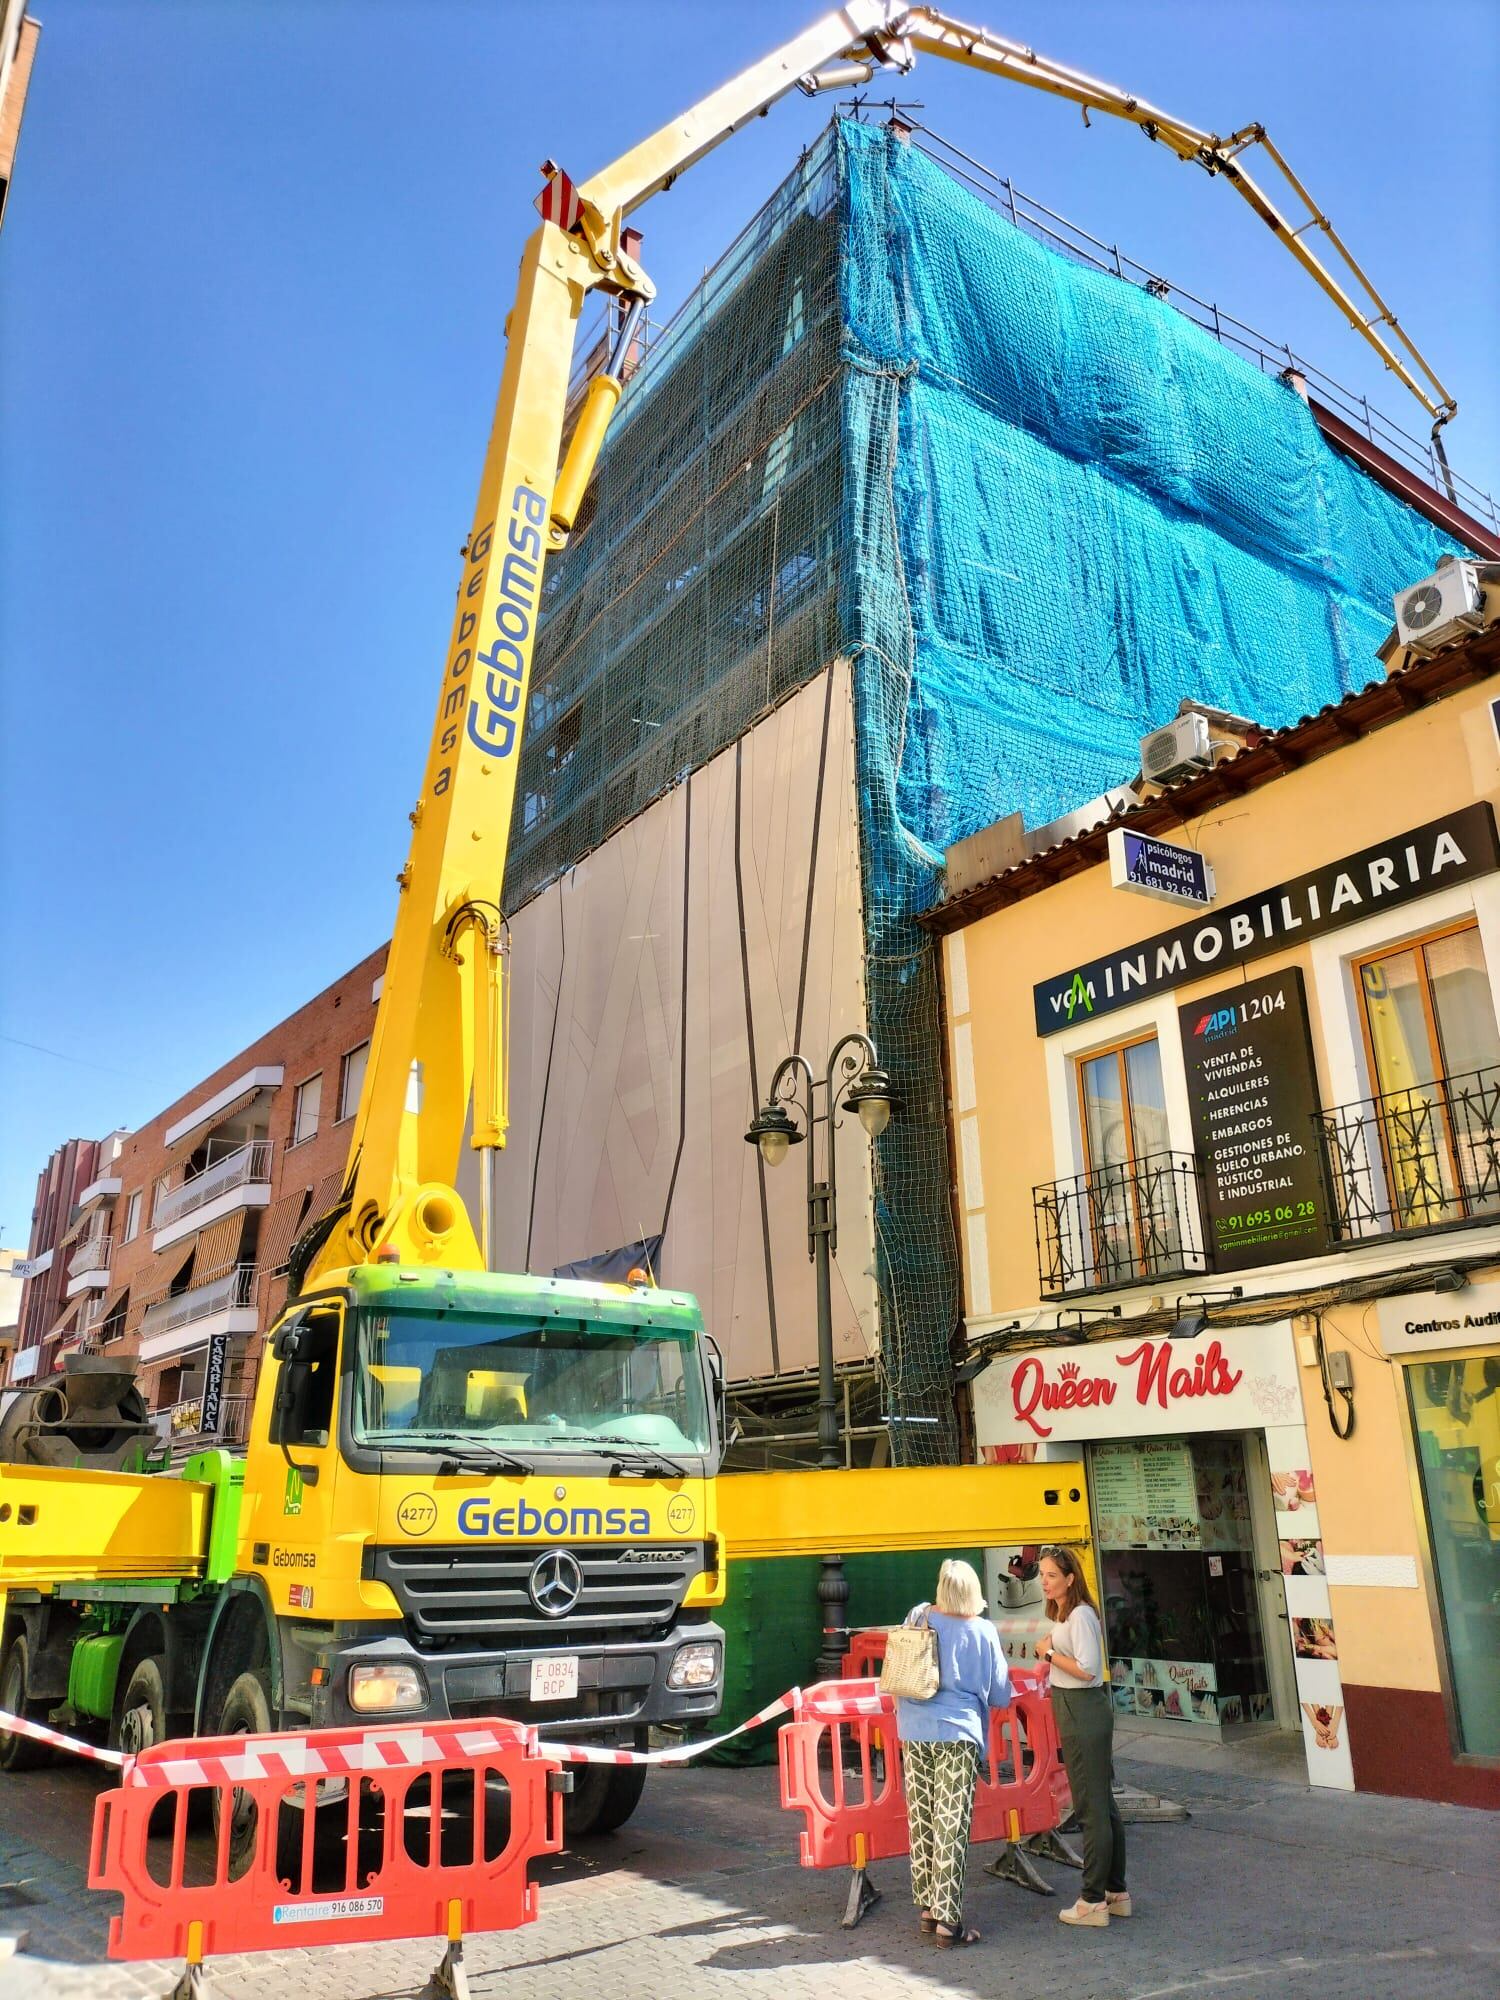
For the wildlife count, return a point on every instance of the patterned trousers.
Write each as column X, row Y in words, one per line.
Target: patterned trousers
column 939, row 1805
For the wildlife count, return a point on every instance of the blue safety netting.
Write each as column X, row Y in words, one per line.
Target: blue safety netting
column 1066, row 507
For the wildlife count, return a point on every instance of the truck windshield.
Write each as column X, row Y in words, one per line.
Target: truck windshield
column 528, row 1384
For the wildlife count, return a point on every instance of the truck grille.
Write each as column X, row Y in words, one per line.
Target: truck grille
column 480, row 1593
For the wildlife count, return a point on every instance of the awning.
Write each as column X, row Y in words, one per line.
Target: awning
column 278, row 1229
column 68, row 1320
column 162, row 1282
column 326, row 1193
column 201, row 1134
column 112, row 1304
column 78, row 1222
column 217, row 1248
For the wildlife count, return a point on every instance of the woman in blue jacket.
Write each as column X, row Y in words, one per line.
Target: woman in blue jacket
column 942, row 1741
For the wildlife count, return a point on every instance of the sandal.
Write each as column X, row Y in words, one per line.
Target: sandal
column 947, row 1939
column 926, row 1922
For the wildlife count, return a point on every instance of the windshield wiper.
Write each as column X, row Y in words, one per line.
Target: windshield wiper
column 647, row 1462
column 477, row 1455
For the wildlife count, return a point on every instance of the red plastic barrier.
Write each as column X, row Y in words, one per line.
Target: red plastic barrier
column 338, row 1836
column 856, row 1815
column 1026, row 1791
column 841, row 1768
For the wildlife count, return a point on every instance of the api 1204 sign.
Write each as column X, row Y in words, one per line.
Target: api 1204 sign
column 1254, row 1099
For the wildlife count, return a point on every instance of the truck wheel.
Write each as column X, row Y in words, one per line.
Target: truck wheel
column 20, row 1753
column 140, row 1717
column 621, row 1797
column 603, row 1798
column 246, row 1712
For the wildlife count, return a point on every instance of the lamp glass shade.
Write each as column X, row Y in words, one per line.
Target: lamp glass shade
column 874, row 1114
column 774, row 1146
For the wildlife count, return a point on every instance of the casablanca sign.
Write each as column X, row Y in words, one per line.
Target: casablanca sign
column 1238, row 1378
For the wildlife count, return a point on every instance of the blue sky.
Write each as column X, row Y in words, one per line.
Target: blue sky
column 252, row 281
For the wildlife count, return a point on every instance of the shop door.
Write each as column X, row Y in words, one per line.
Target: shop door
column 1182, row 1606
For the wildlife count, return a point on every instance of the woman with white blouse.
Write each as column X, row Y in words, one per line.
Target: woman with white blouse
column 1074, row 1654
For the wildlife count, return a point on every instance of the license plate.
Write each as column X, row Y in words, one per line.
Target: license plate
column 554, row 1680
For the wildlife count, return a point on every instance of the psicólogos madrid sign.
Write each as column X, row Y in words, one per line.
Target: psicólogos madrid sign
column 1158, row 868
column 1453, row 849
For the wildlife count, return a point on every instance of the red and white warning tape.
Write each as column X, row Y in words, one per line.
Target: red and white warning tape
column 385, row 1748
column 18, row 1725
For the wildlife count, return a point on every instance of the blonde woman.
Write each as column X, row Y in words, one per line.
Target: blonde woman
column 942, row 1741
column 1074, row 1655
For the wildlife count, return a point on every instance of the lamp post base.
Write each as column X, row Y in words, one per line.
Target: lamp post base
column 833, row 1596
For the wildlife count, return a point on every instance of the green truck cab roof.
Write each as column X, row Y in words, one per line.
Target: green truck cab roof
column 420, row 1287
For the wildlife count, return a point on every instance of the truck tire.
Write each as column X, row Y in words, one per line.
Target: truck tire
column 246, row 1712
column 140, row 1717
column 603, row 1798
column 621, row 1797
column 20, row 1753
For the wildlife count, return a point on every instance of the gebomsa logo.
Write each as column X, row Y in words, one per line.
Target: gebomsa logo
column 494, row 712
column 480, row 1517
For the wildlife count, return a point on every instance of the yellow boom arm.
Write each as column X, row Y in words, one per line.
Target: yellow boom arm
column 439, row 1034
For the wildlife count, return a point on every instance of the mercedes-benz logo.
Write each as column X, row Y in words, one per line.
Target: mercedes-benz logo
column 555, row 1583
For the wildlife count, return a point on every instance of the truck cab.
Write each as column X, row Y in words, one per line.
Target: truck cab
column 478, row 1494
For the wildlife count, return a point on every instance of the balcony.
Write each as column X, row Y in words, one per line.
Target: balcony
column 240, row 1178
column 234, row 1293
column 185, row 1422
column 88, row 1267
column 1427, row 1157
column 1120, row 1225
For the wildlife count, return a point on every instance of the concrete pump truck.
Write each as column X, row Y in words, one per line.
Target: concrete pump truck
column 466, row 1493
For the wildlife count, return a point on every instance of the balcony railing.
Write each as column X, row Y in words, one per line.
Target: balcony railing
column 92, row 1254
column 185, row 1421
column 235, row 1289
column 246, row 1165
column 1426, row 1157
column 1120, row 1225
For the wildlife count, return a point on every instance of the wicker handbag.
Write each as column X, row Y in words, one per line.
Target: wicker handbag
column 910, row 1667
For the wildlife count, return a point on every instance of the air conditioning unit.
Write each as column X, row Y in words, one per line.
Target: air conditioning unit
column 1448, row 603
column 1178, row 750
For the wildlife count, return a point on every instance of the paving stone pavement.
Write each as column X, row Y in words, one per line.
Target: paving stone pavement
column 1268, row 1889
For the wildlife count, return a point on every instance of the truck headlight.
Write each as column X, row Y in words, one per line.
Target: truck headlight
column 386, row 1689
column 695, row 1666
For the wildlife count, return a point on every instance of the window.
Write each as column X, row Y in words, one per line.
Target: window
column 305, row 1106
column 1129, row 1186
column 1434, row 1053
column 132, row 1216
column 1458, row 1452
column 352, row 1080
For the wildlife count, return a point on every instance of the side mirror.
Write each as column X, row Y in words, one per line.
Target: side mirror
column 290, row 1339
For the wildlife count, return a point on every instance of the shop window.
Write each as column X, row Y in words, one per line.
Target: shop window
column 305, row 1107
column 1455, row 1410
column 1434, row 1055
column 1132, row 1196
column 352, row 1080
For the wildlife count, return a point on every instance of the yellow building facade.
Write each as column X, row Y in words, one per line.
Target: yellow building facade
column 1225, row 1098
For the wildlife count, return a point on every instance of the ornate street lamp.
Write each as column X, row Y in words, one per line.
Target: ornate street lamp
column 853, row 1081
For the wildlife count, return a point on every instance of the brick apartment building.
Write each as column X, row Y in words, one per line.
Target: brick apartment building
column 170, row 1243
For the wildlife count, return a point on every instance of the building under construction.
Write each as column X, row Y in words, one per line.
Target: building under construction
column 922, row 511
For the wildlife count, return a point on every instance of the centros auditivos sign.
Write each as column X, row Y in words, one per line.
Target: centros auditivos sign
column 1455, row 848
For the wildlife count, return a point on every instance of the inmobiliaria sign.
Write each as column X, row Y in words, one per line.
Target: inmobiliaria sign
column 1239, row 1379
